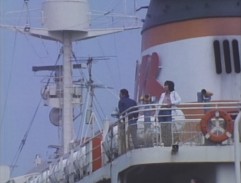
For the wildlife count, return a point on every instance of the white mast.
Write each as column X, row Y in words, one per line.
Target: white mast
column 67, row 91
column 66, row 21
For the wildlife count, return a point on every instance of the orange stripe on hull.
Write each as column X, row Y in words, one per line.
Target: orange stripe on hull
column 190, row 29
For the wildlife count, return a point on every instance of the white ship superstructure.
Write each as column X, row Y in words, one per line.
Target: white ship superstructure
column 194, row 43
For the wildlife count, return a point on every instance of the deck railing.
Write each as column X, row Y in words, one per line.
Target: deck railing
column 184, row 128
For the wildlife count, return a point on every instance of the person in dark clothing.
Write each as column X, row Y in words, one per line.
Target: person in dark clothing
column 206, row 95
column 125, row 103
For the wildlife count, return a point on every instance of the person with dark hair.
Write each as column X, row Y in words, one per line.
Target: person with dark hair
column 206, row 95
column 125, row 103
column 147, row 113
column 146, row 99
column 168, row 100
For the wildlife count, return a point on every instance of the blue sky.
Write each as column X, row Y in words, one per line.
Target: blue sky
column 20, row 93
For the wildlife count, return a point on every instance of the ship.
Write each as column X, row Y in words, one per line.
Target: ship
column 194, row 44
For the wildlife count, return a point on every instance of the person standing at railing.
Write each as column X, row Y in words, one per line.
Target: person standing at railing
column 125, row 103
column 168, row 100
column 147, row 112
column 206, row 96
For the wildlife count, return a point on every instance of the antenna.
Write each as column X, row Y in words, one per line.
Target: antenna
column 89, row 116
column 61, row 26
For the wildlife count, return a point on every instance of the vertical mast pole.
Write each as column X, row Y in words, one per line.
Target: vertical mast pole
column 67, row 94
column 59, row 25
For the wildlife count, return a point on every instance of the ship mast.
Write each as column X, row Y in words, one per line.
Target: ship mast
column 63, row 25
column 67, row 93
column 66, row 21
column 72, row 25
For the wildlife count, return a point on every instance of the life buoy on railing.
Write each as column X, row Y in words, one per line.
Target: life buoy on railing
column 212, row 129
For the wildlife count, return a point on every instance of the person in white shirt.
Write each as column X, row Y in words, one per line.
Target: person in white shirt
column 168, row 100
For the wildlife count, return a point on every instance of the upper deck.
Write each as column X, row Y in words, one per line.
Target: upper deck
column 192, row 124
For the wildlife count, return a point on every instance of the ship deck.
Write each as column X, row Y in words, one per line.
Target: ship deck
column 192, row 151
column 197, row 142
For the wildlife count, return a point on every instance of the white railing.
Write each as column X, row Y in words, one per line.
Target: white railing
column 183, row 129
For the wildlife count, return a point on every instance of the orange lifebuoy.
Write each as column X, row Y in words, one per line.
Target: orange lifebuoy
column 214, row 132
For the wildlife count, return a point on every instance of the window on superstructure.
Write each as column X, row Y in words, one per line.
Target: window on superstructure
column 236, row 57
column 217, row 54
column 227, row 57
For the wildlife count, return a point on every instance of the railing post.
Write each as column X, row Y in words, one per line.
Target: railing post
column 237, row 147
column 121, row 136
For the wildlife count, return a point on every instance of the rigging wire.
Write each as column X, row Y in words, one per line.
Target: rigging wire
column 81, row 130
column 23, row 141
column 118, row 61
column 32, row 46
column 9, row 81
column 48, row 82
column 115, row 45
column 26, row 134
column 84, row 130
column 100, row 113
column 111, row 11
column 52, row 72
column 82, row 79
column 8, row 85
column 27, row 26
column 80, row 70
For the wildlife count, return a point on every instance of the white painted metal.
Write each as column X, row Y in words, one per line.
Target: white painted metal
column 237, row 147
column 198, row 64
column 4, row 173
column 225, row 173
column 67, row 98
column 57, row 15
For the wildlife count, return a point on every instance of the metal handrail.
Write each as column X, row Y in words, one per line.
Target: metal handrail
column 192, row 112
column 237, row 148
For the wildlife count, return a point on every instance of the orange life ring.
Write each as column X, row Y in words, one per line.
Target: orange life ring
column 214, row 134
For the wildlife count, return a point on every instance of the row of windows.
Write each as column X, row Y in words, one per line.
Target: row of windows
column 231, row 58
